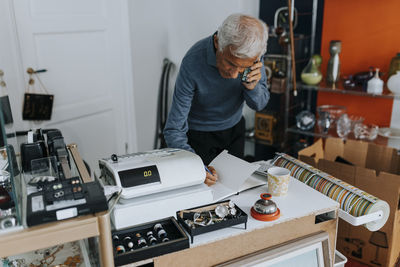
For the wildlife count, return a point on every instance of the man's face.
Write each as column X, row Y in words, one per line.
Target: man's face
column 230, row 66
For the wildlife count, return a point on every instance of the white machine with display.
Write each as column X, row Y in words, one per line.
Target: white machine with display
column 155, row 184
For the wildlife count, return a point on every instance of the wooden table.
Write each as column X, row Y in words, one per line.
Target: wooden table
column 298, row 219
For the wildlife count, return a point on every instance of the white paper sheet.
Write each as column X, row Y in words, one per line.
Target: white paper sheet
column 232, row 175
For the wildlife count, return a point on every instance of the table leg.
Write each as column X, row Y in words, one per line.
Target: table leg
column 105, row 241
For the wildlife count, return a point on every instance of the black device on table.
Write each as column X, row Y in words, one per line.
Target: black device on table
column 62, row 197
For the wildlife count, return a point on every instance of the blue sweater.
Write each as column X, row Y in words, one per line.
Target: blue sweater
column 204, row 101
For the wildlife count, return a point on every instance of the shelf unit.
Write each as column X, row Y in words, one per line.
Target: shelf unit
column 307, row 92
column 307, row 34
column 291, row 105
column 380, row 140
column 323, row 87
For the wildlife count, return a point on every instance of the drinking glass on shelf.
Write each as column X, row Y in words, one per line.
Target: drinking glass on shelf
column 324, row 122
column 333, row 112
column 343, row 126
column 366, row 131
column 354, row 120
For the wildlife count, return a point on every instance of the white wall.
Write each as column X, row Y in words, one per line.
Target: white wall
column 168, row 29
column 149, row 40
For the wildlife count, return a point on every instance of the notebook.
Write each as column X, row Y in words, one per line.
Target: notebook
column 234, row 175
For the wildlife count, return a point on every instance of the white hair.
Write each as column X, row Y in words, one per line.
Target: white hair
column 247, row 36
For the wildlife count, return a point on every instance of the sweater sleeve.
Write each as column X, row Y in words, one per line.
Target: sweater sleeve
column 176, row 126
column 257, row 98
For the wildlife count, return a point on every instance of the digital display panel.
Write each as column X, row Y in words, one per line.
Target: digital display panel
column 139, row 176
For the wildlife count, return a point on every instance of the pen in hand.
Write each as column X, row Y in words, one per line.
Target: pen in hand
column 207, row 170
column 211, row 176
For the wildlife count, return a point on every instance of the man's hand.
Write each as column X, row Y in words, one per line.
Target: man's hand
column 211, row 179
column 253, row 76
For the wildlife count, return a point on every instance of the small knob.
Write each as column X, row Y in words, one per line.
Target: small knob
column 114, row 158
column 266, row 196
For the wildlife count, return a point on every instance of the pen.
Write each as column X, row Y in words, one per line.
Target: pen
column 208, row 170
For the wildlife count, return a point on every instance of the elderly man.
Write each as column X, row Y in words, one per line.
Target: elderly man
column 210, row 90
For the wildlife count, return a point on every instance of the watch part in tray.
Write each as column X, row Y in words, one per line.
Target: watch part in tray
column 215, row 215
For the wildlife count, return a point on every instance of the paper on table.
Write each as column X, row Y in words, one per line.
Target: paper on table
column 232, row 171
column 220, row 191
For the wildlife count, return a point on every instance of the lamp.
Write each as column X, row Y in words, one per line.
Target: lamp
column 378, row 239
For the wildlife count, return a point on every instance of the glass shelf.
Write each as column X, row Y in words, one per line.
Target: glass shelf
column 380, row 140
column 312, row 133
column 323, row 87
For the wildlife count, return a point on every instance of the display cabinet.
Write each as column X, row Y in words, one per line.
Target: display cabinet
column 337, row 89
column 10, row 191
column 307, row 17
column 15, row 236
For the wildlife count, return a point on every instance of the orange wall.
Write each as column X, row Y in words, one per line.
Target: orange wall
column 370, row 35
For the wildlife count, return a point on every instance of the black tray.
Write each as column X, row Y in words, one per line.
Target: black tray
column 178, row 240
column 212, row 227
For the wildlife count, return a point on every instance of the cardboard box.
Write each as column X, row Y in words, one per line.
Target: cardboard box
column 375, row 170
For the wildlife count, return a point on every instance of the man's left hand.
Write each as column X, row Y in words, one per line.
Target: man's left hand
column 253, row 76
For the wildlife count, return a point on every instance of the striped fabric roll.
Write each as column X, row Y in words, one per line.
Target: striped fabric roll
column 352, row 200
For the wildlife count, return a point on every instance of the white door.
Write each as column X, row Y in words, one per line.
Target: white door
column 84, row 45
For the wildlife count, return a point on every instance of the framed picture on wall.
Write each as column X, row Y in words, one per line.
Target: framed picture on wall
column 311, row 251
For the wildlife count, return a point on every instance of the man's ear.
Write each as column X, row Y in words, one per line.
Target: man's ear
column 216, row 42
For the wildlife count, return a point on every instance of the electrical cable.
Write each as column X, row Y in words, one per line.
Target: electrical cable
column 166, row 85
column 162, row 104
column 159, row 103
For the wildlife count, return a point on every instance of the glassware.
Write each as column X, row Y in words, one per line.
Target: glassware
column 394, row 83
column 327, row 116
column 311, row 74
column 324, row 122
column 333, row 72
column 366, row 131
column 348, row 82
column 375, row 84
column 354, row 120
column 343, row 126
column 305, row 120
column 362, row 78
column 394, row 65
column 334, row 110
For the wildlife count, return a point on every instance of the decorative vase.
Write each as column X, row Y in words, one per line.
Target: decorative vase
column 394, row 65
column 375, row 85
column 311, row 74
column 333, row 71
column 394, row 83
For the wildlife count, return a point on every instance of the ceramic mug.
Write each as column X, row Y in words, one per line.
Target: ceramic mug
column 278, row 181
